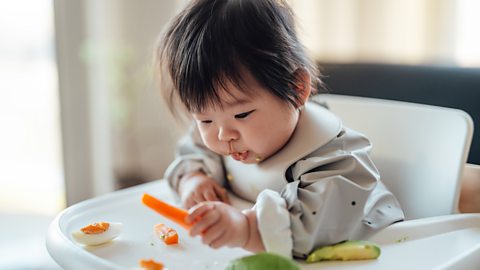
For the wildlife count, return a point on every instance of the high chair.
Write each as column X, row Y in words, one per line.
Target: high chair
column 420, row 152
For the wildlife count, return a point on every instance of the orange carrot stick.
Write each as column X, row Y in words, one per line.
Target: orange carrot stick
column 171, row 212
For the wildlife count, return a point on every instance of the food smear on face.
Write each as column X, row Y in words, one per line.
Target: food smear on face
column 167, row 234
column 150, row 265
column 97, row 233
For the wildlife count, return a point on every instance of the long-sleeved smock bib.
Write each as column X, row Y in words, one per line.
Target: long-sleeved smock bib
column 321, row 188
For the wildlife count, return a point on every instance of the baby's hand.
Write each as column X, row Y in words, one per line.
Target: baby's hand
column 198, row 187
column 219, row 224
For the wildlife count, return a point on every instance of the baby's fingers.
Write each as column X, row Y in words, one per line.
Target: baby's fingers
column 213, row 233
column 191, row 200
column 188, row 203
column 222, row 194
column 206, row 221
column 221, row 241
column 196, row 212
column 210, row 195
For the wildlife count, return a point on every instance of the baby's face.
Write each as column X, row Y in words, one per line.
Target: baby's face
column 250, row 128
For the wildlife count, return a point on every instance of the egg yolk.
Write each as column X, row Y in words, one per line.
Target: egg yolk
column 96, row 228
column 150, row 265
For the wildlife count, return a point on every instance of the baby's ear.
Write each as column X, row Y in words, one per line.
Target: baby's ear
column 303, row 85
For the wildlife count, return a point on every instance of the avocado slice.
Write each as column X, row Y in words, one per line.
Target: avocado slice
column 345, row 251
column 263, row 261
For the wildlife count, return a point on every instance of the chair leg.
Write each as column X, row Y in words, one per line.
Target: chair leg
column 470, row 190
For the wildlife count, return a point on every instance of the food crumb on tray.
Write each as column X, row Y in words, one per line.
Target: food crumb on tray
column 150, row 265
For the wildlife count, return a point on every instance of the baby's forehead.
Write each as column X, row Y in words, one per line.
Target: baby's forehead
column 229, row 99
column 238, row 90
column 229, row 91
column 235, row 95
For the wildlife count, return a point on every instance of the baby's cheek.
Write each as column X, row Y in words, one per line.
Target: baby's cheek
column 260, row 142
column 213, row 146
column 210, row 140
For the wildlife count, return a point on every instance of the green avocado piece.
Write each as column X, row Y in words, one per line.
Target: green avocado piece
column 345, row 251
column 263, row 261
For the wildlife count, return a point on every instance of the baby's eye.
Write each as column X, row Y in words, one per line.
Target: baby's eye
column 243, row 115
column 206, row 121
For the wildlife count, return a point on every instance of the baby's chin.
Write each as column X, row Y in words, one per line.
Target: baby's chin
column 252, row 159
column 249, row 159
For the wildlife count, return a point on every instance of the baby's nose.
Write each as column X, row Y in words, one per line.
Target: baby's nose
column 227, row 134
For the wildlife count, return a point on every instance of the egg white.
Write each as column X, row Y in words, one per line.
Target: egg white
column 112, row 232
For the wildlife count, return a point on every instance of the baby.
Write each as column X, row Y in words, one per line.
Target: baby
column 239, row 71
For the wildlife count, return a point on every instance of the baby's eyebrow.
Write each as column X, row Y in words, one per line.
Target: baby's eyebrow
column 198, row 114
column 224, row 104
column 236, row 102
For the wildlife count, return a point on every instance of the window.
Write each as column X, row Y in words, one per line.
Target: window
column 31, row 177
column 467, row 50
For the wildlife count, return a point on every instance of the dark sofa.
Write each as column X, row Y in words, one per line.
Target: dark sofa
column 452, row 87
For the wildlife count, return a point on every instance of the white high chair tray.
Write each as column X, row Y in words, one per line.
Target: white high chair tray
column 445, row 242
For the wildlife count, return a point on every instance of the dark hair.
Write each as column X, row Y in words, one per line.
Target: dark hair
column 212, row 41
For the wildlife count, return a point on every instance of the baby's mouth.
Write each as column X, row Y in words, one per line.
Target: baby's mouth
column 240, row 156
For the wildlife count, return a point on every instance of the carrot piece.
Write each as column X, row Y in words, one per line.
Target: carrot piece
column 150, row 265
column 167, row 234
column 171, row 212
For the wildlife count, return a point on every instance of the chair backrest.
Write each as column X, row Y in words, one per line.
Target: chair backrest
column 420, row 150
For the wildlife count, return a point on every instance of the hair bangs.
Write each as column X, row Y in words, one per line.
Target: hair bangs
column 203, row 59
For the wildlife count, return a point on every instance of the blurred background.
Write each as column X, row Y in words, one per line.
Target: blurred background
column 81, row 116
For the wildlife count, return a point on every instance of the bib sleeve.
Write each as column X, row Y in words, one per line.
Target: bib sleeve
column 334, row 194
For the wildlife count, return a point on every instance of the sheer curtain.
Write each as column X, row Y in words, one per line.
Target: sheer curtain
column 406, row 32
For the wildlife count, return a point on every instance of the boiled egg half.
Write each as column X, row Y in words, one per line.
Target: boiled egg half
column 97, row 233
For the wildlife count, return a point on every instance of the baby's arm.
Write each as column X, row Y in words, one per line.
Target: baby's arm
column 196, row 167
column 221, row 225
